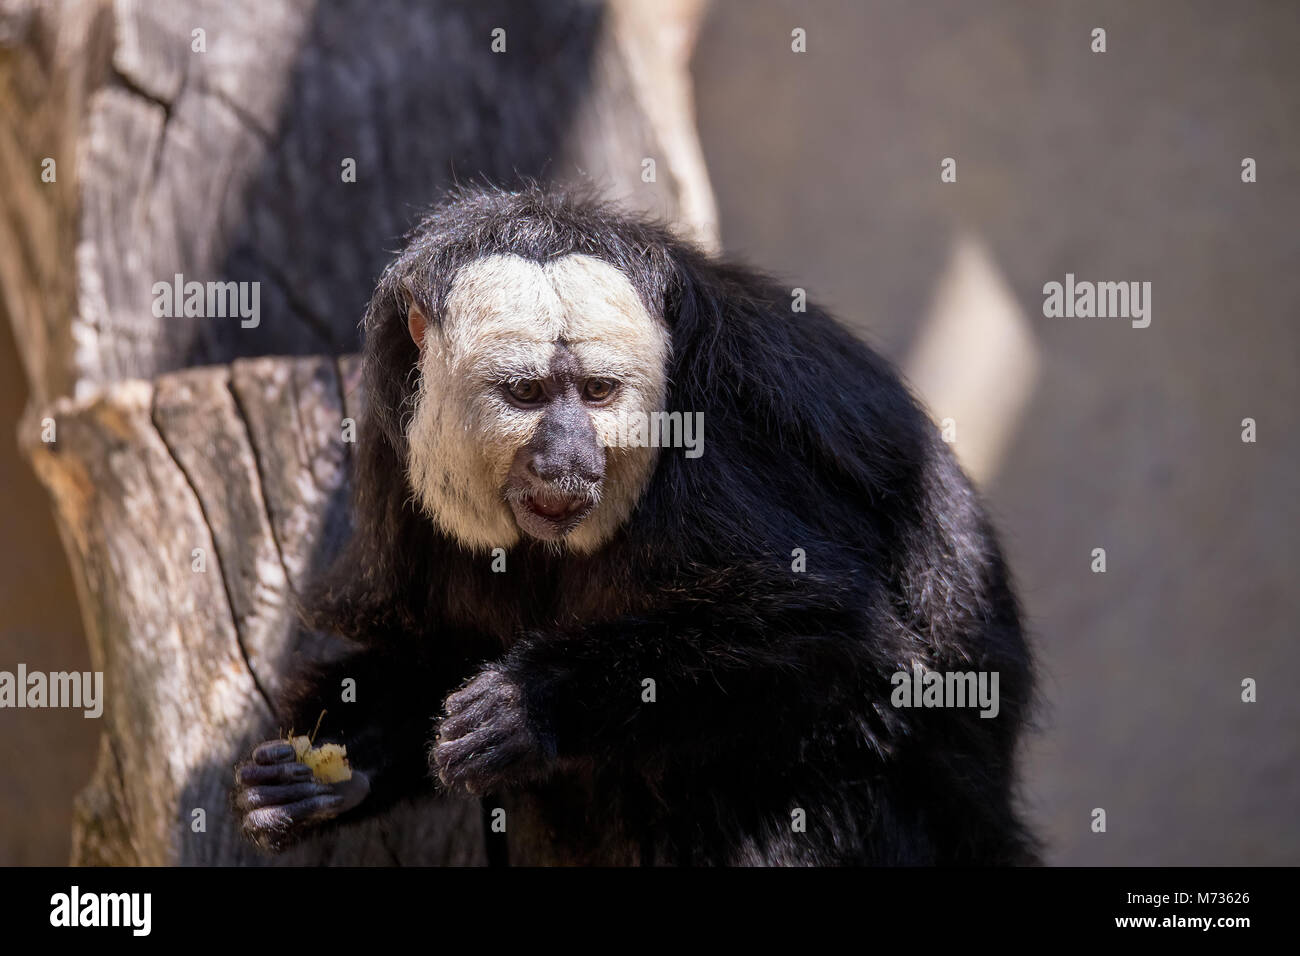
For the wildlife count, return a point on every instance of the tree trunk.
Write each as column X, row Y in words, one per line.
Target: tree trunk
column 195, row 503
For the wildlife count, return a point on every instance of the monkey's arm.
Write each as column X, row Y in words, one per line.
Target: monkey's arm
column 722, row 672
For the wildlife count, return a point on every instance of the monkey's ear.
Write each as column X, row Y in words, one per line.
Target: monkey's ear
column 417, row 323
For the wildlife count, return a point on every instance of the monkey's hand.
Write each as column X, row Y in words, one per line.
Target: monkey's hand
column 486, row 740
column 280, row 801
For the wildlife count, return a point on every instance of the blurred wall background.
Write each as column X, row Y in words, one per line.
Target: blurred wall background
column 1116, row 166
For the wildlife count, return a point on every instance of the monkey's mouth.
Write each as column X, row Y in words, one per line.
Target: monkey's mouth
column 549, row 515
column 556, row 509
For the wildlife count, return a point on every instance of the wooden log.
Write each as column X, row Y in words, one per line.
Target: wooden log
column 186, row 519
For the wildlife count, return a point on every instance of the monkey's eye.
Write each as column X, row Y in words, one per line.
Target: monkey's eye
column 598, row 389
column 526, row 392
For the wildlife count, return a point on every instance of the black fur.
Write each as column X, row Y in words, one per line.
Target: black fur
column 773, row 687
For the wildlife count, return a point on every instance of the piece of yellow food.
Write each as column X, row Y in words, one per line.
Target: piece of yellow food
column 328, row 762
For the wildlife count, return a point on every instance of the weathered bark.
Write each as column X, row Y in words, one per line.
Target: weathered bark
column 187, row 514
column 195, row 503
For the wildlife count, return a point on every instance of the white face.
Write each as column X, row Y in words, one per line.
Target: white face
column 487, row 462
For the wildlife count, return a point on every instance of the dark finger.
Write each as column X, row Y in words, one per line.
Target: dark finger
column 253, row 774
column 451, row 752
column 481, row 685
column 255, row 798
column 281, row 818
column 461, row 722
column 273, row 751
